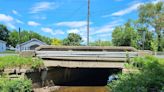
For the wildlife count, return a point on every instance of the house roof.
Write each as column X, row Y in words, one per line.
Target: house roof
column 2, row 41
column 34, row 39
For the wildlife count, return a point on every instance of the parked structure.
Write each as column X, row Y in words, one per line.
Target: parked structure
column 29, row 45
column 2, row 46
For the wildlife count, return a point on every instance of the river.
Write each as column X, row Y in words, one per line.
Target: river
column 73, row 89
column 83, row 89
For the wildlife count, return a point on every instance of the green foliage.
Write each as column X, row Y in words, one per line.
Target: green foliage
column 149, row 76
column 16, row 85
column 17, row 61
column 137, row 34
column 4, row 33
column 154, row 45
column 73, row 39
column 25, row 36
column 146, row 39
column 56, row 42
column 152, row 15
column 125, row 36
column 162, row 42
column 100, row 43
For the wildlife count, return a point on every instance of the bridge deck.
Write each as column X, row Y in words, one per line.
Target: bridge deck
column 85, row 56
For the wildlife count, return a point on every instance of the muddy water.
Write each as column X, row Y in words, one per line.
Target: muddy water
column 83, row 89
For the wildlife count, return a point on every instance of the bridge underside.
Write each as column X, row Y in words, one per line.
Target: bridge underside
column 63, row 76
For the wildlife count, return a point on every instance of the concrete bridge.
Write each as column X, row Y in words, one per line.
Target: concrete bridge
column 82, row 65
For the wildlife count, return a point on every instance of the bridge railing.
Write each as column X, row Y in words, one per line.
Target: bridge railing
column 91, row 55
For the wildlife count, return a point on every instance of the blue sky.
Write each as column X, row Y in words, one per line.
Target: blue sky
column 57, row 18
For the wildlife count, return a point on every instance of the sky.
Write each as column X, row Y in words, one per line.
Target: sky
column 58, row 18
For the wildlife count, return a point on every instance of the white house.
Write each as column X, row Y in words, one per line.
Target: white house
column 29, row 45
column 2, row 46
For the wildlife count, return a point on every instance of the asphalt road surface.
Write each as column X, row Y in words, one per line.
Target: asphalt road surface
column 7, row 54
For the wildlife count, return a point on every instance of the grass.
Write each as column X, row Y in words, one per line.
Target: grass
column 21, row 62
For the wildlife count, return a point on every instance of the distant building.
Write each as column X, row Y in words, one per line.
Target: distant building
column 10, row 48
column 29, row 45
column 2, row 46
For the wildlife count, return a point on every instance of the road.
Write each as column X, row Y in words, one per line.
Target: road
column 160, row 56
column 7, row 55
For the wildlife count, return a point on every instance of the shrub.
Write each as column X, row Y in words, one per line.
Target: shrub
column 15, row 85
column 149, row 77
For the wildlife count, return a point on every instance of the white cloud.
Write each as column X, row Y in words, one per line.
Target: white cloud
column 73, row 31
column 72, row 24
column 131, row 8
column 19, row 21
column 10, row 25
column 9, row 20
column 51, row 31
column 48, row 30
column 43, row 6
column 15, row 12
column 33, row 23
column 127, row 10
column 124, row 11
column 5, row 18
column 102, row 32
column 40, row 17
column 107, row 28
column 56, row 32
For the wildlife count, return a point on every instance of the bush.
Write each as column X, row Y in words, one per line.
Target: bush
column 150, row 76
column 16, row 85
column 18, row 61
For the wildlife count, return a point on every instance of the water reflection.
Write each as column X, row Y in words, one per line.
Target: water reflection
column 83, row 89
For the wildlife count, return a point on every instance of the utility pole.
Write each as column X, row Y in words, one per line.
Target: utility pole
column 88, row 16
column 19, row 39
column 143, row 39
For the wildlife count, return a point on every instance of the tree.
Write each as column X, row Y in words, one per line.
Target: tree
column 73, row 39
column 56, row 42
column 125, row 35
column 13, row 38
column 26, row 36
column 101, row 43
column 154, row 45
column 152, row 15
column 4, row 33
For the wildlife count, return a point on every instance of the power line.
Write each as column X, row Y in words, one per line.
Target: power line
column 72, row 14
